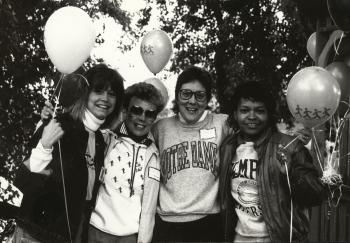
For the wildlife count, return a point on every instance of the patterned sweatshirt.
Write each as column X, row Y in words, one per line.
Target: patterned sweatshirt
column 127, row 198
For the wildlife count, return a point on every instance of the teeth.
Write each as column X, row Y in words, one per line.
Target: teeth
column 192, row 110
column 139, row 126
column 252, row 125
column 103, row 106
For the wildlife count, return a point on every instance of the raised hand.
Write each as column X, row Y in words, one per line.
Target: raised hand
column 47, row 111
column 284, row 158
column 51, row 134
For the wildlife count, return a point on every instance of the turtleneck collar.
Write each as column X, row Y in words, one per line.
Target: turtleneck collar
column 204, row 115
column 91, row 122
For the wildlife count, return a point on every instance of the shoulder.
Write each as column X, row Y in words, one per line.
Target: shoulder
column 220, row 116
column 165, row 122
column 228, row 140
column 108, row 133
column 219, row 119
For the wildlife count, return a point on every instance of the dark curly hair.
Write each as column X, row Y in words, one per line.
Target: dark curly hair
column 255, row 91
column 144, row 91
column 190, row 74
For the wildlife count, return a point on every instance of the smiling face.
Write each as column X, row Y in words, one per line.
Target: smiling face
column 140, row 116
column 191, row 109
column 101, row 103
column 252, row 118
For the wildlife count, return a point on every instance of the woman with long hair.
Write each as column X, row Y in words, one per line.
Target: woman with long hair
column 60, row 180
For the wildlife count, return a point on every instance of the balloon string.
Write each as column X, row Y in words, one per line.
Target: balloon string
column 59, row 94
column 56, row 102
column 58, row 83
column 291, row 203
column 83, row 78
column 291, row 142
column 317, row 150
column 64, row 191
column 336, row 48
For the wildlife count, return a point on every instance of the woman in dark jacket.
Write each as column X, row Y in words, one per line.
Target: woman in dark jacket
column 255, row 197
column 60, row 180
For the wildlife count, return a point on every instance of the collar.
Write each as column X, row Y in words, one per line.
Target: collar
column 204, row 115
column 264, row 137
column 122, row 131
column 91, row 122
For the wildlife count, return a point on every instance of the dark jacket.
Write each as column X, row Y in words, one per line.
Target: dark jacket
column 43, row 212
column 307, row 189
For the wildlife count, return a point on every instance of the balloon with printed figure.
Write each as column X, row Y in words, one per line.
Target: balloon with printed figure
column 313, row 96
column 69, row 36
column 156, row 49
column 311, row 46
column 161, row 88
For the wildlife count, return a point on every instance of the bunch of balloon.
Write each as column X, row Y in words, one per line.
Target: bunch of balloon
column 69, row 37
column 313, row 96
column 161, row 87
column 156, row 49
column 341, row 72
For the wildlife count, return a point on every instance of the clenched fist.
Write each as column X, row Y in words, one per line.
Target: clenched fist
column 51, row 134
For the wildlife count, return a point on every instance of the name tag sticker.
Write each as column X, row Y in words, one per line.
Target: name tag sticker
column 154, row 173
column 207, row 133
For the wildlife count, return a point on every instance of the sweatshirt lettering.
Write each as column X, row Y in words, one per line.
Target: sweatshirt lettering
column 197, row 154
column 245, row 168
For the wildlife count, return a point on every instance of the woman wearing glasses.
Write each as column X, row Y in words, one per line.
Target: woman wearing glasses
column 188, row 144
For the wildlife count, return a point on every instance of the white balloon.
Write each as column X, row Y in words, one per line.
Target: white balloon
column 313, row 96
column 69, row 36
column 161, row 88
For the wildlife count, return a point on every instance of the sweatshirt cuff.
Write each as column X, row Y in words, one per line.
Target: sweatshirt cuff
column 39, row 158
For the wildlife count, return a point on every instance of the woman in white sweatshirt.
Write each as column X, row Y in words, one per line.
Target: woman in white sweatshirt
column 188, row 143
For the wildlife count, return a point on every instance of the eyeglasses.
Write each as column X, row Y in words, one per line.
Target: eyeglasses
column 186, row 94
column 138, row 111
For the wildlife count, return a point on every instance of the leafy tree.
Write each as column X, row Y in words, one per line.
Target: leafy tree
column 26, row 69
column 26, row 73
column 236, row 41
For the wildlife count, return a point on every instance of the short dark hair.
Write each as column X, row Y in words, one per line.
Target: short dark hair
column 99, row 77
column 255, row 91
column 190, row 74
column 144, row 91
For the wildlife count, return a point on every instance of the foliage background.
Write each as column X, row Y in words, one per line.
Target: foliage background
column 263, row 40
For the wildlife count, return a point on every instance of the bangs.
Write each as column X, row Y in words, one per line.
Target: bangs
column 101, row 84
column 108, row 79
